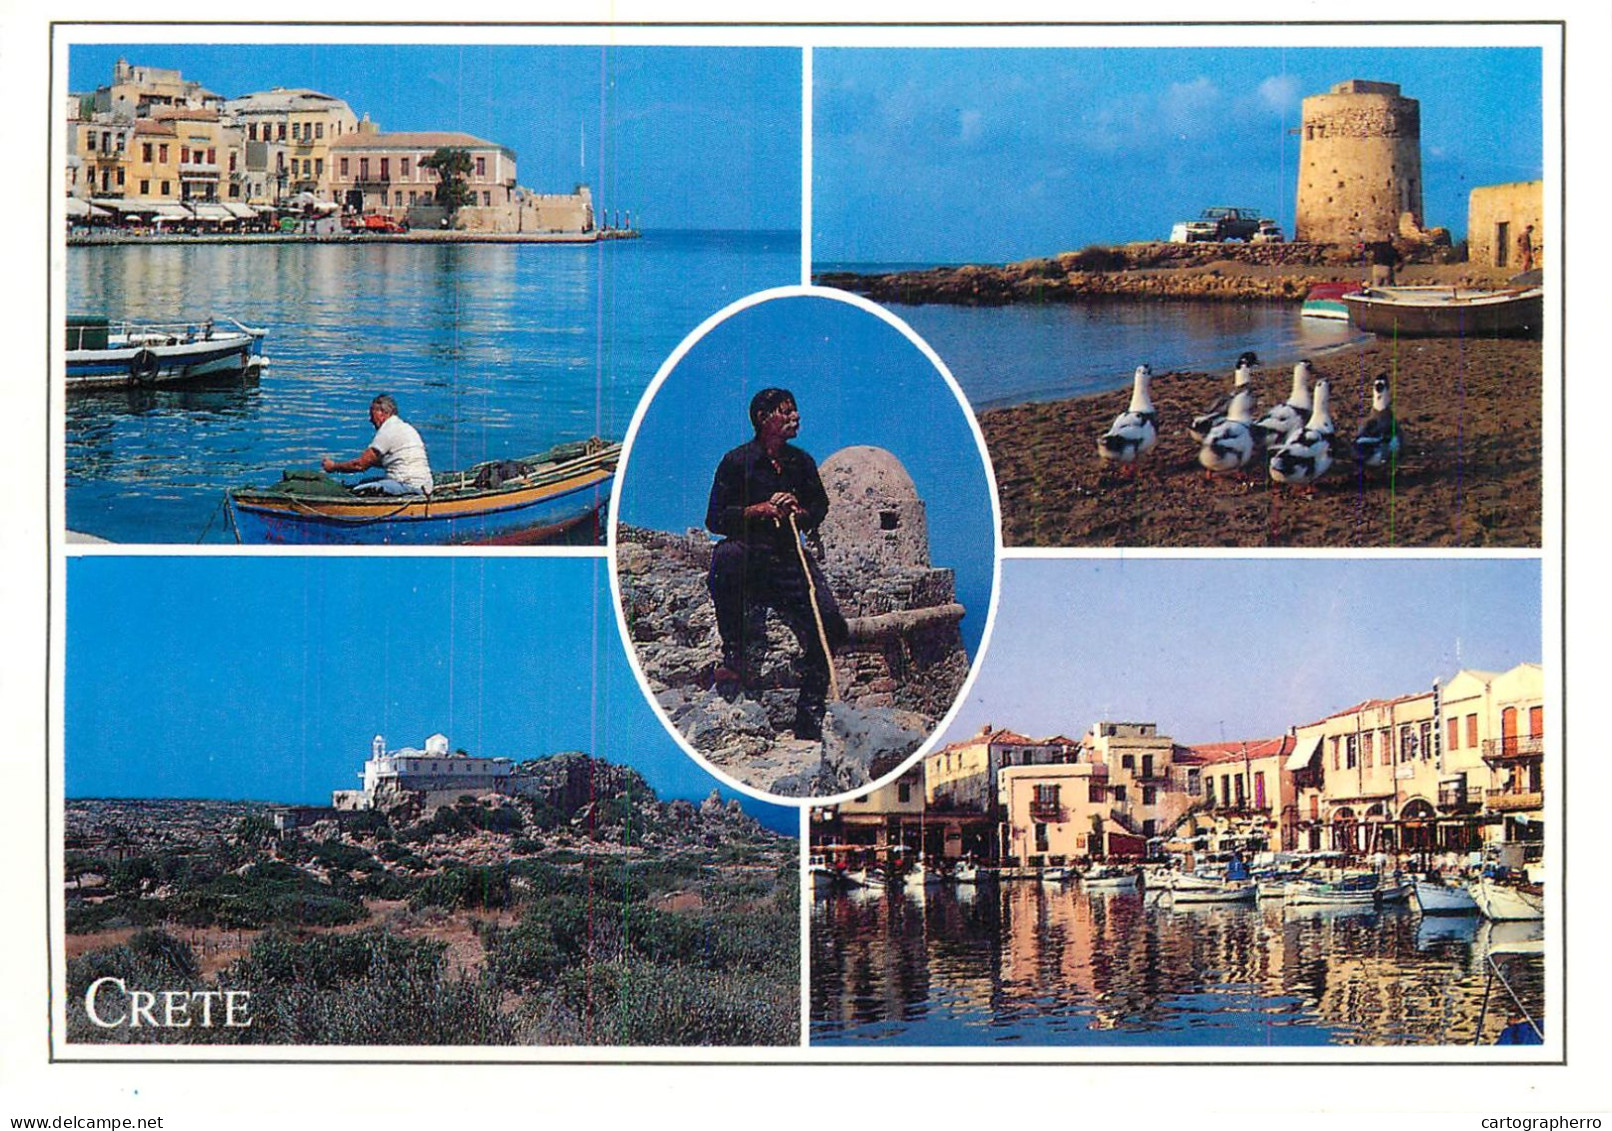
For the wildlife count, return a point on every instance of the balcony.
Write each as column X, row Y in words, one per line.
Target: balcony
column 364, row 182
column 1049, row 811
column 1513, row 749
column 1459, row 799
column 1505, row 801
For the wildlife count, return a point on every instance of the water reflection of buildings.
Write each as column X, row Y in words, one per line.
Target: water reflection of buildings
column 1453, row 768
column 1046, row 964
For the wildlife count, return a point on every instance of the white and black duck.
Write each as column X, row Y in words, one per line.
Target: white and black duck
column 1231, row 444
column 1288, row 418
column 1380, row 437
column 1215, row 413
column 1307, row 456
column 1135, row 431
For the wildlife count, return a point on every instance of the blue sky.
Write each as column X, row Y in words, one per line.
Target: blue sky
column 266, row 678
column 857, row 381
column 1226, row 648
column 680, row 137
column 978, row 155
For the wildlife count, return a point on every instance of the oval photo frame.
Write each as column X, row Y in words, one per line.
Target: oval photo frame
column 899, row 578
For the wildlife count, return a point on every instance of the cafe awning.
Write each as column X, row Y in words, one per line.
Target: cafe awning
column 171, row 212
column 1303, row 754
column 206, row 210
column 239, row 211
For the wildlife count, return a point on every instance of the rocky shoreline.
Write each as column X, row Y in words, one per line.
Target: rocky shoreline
column 1470, row 473
column 1282, row 272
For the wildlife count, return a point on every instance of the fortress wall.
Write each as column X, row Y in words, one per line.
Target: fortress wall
column 1360, row 164
column 1515, row 206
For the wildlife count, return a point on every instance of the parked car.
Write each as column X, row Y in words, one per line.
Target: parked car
column 1219, row 224
column 1269, row 231
column 383, row 225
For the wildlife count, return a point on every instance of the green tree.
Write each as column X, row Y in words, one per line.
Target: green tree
column 452, row 166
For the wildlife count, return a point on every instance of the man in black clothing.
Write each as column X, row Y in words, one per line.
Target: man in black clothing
column 758, row 487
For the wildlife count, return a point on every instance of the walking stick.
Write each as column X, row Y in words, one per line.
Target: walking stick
column 817, row 613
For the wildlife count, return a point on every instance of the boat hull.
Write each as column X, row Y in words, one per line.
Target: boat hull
column 145, row 364
column 1443, row 312
column 525, row 516
column 1235, row 893
column 1444, row 899
column 1501, row 902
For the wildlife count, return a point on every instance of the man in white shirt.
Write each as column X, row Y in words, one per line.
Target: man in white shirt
column 397, row 448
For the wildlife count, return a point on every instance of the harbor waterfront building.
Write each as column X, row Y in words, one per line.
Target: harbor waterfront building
column 382, row 172
column 288, row 134
column 1458, row 768
column 1360, row 165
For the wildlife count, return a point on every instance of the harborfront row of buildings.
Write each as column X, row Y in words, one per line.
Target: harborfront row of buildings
column 154, row 147
column 1455, row 768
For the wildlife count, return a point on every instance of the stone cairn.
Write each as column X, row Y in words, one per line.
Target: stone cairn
column 900, row 673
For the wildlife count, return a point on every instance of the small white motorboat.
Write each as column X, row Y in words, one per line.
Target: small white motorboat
column 1106, row 877
column 102, row 354
column 1435, row 897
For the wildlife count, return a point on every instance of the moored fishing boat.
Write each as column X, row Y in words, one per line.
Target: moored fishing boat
column 1435, row 897
column 540, row 499
column 103, row 354
column 1351, row 891
column 1448, row 312
column 1325, row 300
column 1186, row 887
column 1107, row 877
column 1508, row 901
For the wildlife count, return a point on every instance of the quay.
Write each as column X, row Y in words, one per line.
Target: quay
column 114, row 238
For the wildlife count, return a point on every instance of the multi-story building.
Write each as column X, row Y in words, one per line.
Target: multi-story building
column 1056, row 813
column 1245, row 799
column 288, row 134
column 963, row 775
column 882, row 818
column 376, row 172
column 138, row 92
column 1147, row 785
column 1510, row 738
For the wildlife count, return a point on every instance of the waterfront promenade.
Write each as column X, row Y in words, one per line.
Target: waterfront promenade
column 424, row 236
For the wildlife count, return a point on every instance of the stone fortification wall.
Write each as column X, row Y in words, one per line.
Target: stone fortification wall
column 1515, row 206
column 530, row 212
column 1360, row 165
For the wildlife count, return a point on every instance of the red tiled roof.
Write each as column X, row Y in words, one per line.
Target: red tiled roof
column 150, row 126
column 1371, row 705
column 429, row 139
column 187, row 113
column 1212, row 752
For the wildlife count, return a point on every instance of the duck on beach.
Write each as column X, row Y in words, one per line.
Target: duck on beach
column 1135, row 431
column 1306, row 456
column 1380, row 437
column 1218, row 411
column 1289, row 417
column 1231, row 444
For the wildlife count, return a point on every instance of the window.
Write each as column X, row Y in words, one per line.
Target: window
column 904, row 790
column 1149, row 795
column 399, row 202
column 162, row 153
column 319, row 130
column 1209, row 791
column 318, row 166
column 251, row 132
column 184, row 155
column 279, row 161
column 106, row 180
column 1128, row 761
column 1194, row 780
column 89, row 141
column 165, row 187
column 413, row 197
column 1471, row 731
column 120, row 178
column 1004, row 759
column 1351, row 754
column 232, row 162
column 1147, row 765
column 1259, row 790
column 487, row 199
column 363, row 168
column 344, row 168
column 1366, row 749
column 106, row 141
column 281, row 131
column 212, row 155
column 386, row 168
column 1337, row 762
column 1427, row 741
column 1046, row 796
column 145, row 152
column 1119, row 793
column 1453, row 739
column 1238, row 782
column 402, row 166
column 1407, row 743
column 145, row 188
column 1094, row 793
column 1040, row 836
column 1536, row 722
column 481, row 167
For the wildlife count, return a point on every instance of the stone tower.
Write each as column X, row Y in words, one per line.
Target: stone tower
column 1360, row 164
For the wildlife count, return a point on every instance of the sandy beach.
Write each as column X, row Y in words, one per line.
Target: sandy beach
column 1469, row 474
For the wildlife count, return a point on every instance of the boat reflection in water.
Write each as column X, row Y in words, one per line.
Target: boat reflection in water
column 1040, row 965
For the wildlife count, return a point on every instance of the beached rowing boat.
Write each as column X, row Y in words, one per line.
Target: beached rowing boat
column 517, row 503
column 1448, row 312
column 112, row 355
column 1325, row 300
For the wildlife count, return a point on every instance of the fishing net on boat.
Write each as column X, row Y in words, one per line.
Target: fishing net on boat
column 308, row 483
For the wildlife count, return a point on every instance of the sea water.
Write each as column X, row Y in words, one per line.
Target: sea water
column 493, row 351
column 1032, row 964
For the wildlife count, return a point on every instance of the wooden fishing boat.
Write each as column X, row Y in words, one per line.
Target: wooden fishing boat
column 542, row 498
column 1508, row 901
column 102, row 354
column 1187, row 887
column 1435, row 897
column 1448, row 312
column 1325, row 300
column 1107, row 877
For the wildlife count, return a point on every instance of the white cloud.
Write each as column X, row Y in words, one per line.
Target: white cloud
column 1280, row 92
column 1185, row 104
